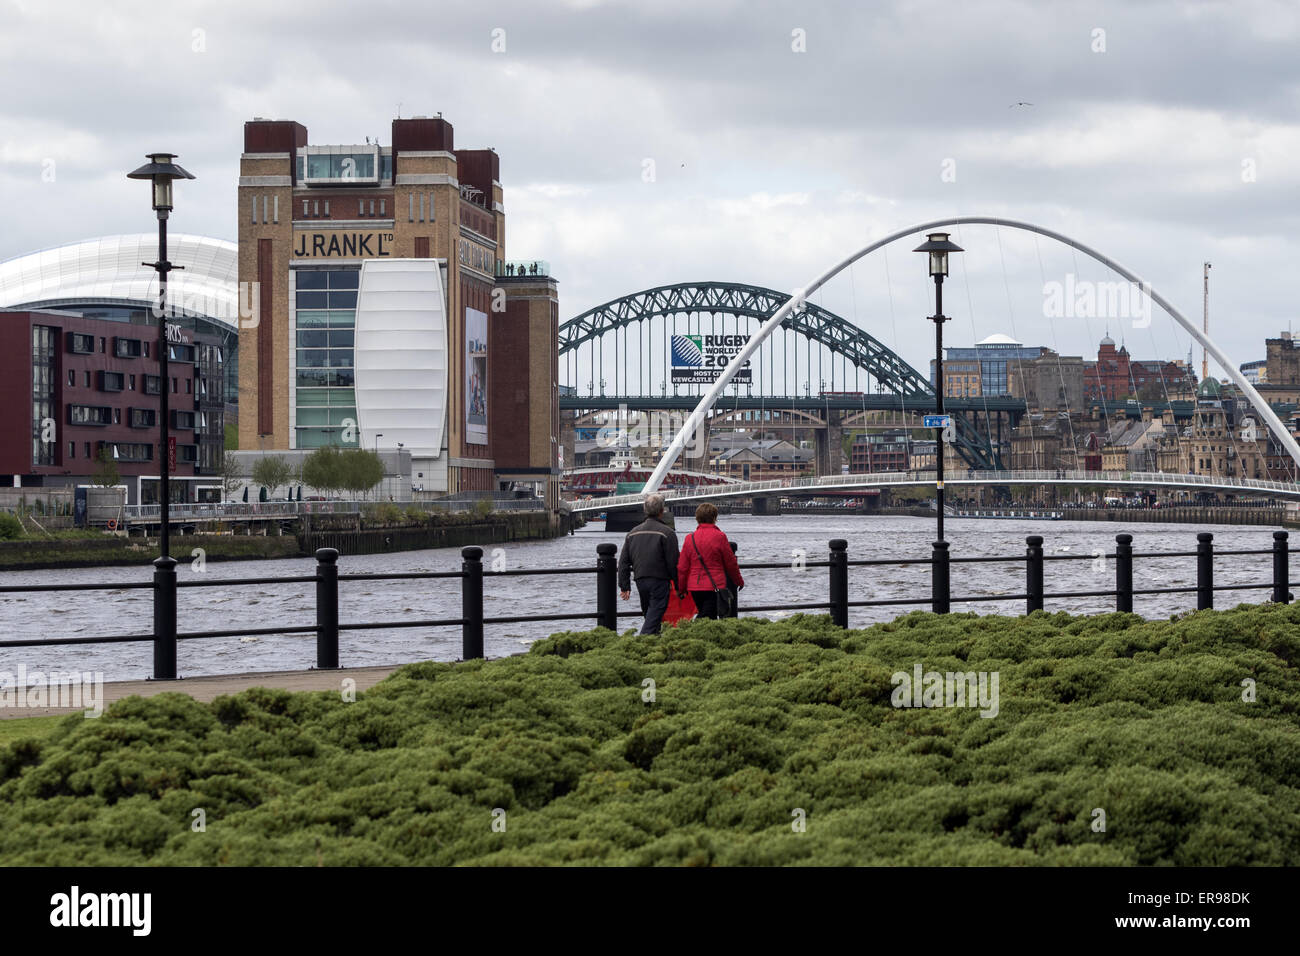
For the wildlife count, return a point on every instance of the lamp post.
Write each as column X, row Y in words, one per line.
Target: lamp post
column 938, row 246
column 160, row 170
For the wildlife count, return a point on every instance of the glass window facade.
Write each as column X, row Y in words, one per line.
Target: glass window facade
column 43, row 383
column 325, row 304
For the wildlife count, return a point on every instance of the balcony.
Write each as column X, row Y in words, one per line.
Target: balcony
column 523, row 268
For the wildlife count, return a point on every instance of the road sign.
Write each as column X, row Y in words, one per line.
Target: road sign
column 937, row 421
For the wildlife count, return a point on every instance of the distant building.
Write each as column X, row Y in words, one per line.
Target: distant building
column 763, row 460
column 1116, row 376
column 1049, row 383
column 878, row 453
column 78, row 388
column 1282, row 365
column 1255, row 372
column 993, row 355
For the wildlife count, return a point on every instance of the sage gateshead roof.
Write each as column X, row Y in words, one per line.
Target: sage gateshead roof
column 107, row 278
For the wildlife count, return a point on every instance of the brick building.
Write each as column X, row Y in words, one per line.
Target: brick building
column 379, row 316
column 73, row 387
column 1115, row 376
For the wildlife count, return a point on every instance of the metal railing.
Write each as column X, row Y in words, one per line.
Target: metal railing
column 472, row 576
column 968, row 477
column 215, row 511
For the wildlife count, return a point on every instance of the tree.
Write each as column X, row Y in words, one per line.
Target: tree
column 106, row 474
column 232, row 476
column 361, row 470
column 323, row 469
column 272, row 472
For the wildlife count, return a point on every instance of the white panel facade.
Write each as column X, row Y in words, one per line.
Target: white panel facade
column 401, row 355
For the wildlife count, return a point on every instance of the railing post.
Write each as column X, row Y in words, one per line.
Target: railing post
column 471, row 603
column 607, row 586
column 735, row 591
column 164, row 618
column 1204, row 570
column 939, row 592
column 327, row 608
column 839, row 582
column 1124, row 573
column 1033, row 573
column 1281, row 569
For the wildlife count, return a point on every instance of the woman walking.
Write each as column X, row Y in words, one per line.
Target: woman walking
column 707, row 566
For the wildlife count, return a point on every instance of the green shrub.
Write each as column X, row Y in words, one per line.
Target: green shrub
column 750, row 721
column 10, row 527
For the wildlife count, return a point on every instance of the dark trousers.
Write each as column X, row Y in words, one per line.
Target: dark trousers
column 654, row 601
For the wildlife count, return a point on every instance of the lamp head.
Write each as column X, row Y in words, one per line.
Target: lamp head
column 938, row 246
column 161, row 171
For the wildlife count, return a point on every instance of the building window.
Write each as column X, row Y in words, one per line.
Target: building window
column 315, row 208
column 103, row 344
column 173, row 384
column 275, row 209
column 131, row 383
column 72, row 378
column 327, row 209
column 72, row 449
column 87, row 378
column 264, row 199
column 325, row 398
column 381, row 207
column 421, row 207
column 372, row 207
column 117, row 416
column 142, row 417
column 43, row 372
column 111, row 381
column 153, row 385
column 188, row 386
column 305, row 204
column 80, row 344
column 410, row 214
column 361, row 207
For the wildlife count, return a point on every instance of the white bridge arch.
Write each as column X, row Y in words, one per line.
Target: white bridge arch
column 710, row 397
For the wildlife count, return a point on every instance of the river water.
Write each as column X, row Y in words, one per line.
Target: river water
column 760, row 539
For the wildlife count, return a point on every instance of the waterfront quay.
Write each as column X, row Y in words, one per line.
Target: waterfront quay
column 454, row 604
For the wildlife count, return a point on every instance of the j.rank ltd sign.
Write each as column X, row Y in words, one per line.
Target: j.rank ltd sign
column 342, row 244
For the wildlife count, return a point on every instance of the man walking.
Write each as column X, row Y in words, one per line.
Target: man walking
column 650, row 553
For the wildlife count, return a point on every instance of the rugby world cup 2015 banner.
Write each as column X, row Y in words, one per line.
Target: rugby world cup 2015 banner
column 700, row 359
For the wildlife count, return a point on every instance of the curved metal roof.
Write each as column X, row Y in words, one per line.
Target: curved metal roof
column 111, row 270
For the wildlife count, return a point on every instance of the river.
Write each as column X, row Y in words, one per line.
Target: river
column 760, row 539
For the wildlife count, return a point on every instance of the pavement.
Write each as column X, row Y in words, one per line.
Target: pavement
column 206, row 689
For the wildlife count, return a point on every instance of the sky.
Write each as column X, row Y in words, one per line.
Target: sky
column 643, row 144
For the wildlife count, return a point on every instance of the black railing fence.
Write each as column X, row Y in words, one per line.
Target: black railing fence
column 472, row 576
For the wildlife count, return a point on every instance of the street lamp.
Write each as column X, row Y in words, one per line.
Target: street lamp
column 160, row 170
column 938, row 246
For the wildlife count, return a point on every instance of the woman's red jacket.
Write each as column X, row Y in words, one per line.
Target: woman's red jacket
column 717, row 555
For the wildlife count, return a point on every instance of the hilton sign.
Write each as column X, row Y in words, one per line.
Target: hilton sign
column 342, row 245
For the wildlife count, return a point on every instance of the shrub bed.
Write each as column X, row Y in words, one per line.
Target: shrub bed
column 752, row 724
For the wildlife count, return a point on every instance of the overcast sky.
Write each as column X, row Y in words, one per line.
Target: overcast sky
column 783, row 137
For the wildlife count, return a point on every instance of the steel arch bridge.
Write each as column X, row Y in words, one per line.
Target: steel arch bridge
column 898, row 385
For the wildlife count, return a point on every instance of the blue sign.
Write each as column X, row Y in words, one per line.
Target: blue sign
column 937, row 421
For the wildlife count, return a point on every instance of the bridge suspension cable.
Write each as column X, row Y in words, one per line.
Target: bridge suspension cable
column 696, row 418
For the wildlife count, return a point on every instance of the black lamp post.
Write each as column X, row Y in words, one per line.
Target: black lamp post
column 938, row 246
column 160, row 170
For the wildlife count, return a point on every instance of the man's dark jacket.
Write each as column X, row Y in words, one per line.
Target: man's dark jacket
column 650, row 550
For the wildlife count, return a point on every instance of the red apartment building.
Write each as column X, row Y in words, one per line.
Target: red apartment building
column 72, row 387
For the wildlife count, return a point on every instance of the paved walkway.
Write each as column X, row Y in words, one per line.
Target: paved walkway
column 207, row 689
